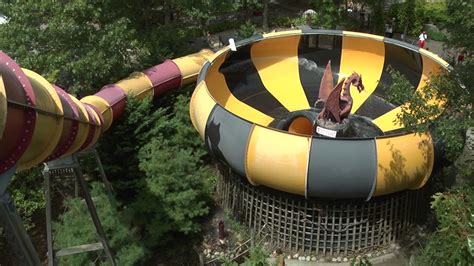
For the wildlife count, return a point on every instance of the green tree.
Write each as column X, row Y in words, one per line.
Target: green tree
column 27, row 192
column 178, row 184
column 77, row 44
column 453, row 241
column 76, row 228
column 327, row 17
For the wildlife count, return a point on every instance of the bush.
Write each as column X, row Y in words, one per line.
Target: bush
column 328, row 14
column 27, row 192
column 453, row 241
column 436, row 14
column 158, row 163
column 76, row 228
column 247, row 30
column 436, row 35
column 177, row 187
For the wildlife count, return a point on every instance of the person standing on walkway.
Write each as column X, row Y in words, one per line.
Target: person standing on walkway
column 421, row 39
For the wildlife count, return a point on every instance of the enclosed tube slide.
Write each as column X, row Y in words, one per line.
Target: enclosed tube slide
column 240, row 94
column 40, row 122
column 239, row 98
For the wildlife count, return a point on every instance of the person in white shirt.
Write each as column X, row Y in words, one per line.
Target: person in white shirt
column 421, row 39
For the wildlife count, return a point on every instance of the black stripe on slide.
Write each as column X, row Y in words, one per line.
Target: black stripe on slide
column 314, row 52
column 226, row 137
column 245, row 84
column 403, row 59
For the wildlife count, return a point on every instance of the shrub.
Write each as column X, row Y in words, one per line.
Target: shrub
column 76, row 228
column 453, row 241
column 247, row 30
column 27, row 192
column 436, row 35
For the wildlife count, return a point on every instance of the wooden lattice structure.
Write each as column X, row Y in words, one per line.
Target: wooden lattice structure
column 327, row 228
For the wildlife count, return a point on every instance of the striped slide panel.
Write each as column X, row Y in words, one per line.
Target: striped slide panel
column 432, row 65
column 137, row 84
column 49, row 126
column 164, row 77
column 216, row 82
column 363, row 55
column 94, row 128
column 189, row 65
column 403, row 162
column 20, row 120
column 277, row 160
column 403, row 59
column 200, row 108
column 102, row 107
column 243, row 81
column 314, row 52
column 116, row 99
column 342, row 169
column 83, row 126
column 226, row 138
column 203, row 72
column 272, row 63
column 70, row 126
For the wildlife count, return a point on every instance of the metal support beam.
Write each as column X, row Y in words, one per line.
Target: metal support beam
column 72, row 162
column 49, row 229
column 13, row 227
column 93, row 213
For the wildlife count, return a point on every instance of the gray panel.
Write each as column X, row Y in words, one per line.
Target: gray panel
column 401, row 44
column 321, row 32
column 226, row 138
column 252, row 39
column 342, row 168
column 203, row 72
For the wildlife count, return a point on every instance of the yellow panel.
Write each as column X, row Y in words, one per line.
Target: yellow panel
column 191, row 64
column 137, row 84
column 366, row 57
column 430, row 67
column 83, row 129
column 217, row 87
column 388, row 121
column 277, row 63
column 49, row 124
column 219, row 53
column 362, row 35
column 281, row 33
column 200, row 107
column 440, row 61
column 103, row 107
column 3, row 107
column 278, row 160
column 403, row 162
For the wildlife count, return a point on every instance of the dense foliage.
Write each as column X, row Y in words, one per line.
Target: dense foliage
column 158, row 170
column 74, row 45
column 27, row 191
column 453, row 241
column 76, row 228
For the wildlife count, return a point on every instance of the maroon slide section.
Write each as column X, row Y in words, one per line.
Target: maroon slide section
column 21, row 115
column 164, row 77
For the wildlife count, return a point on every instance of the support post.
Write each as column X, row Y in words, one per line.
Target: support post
column 49, row 229
column 13, row 227
column 72, row 162
column 93, row 212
